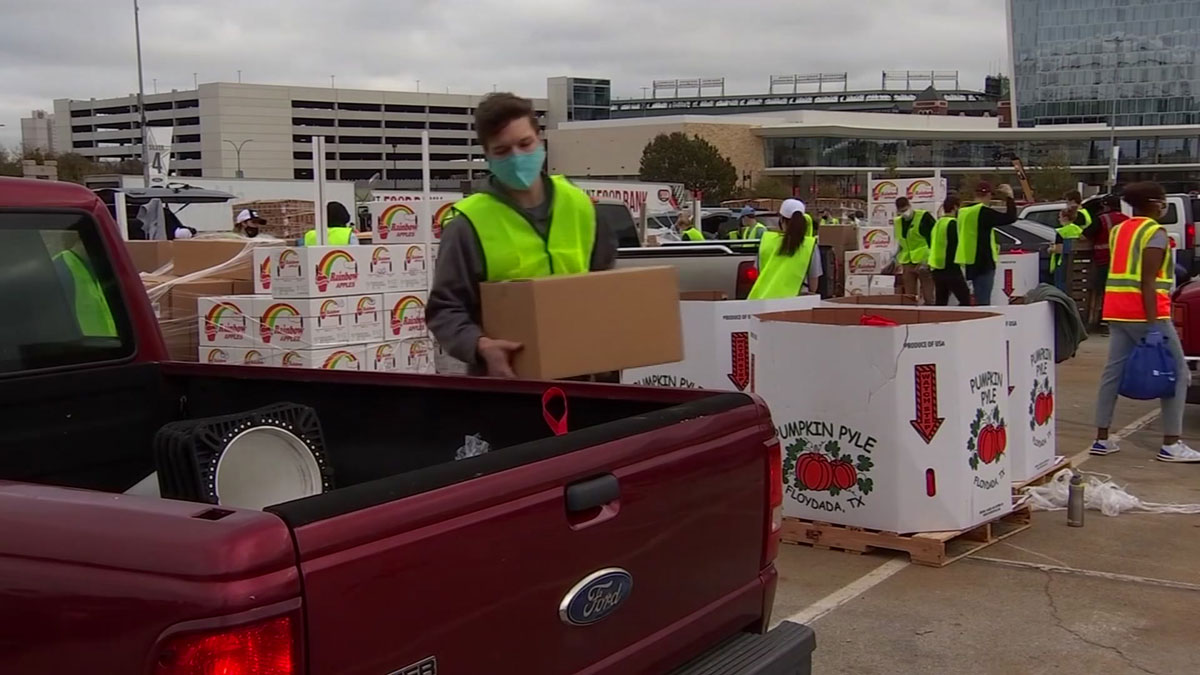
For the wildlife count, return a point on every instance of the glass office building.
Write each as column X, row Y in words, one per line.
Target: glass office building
column 1086, row 61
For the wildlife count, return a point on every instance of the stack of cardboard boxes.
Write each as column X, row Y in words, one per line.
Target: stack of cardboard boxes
column 286, row 218
column 330, row 307
column 177, row 308
column 869, row 269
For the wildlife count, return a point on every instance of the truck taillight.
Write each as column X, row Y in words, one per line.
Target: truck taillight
column 1189, row 235
column 264, row 648
column 774, row 501
column 747, row 274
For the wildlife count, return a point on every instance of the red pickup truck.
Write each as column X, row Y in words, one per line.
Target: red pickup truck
column 658, row 512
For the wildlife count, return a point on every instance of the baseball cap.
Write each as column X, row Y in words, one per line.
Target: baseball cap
column 251, row 215
column 746, row 211
column 789, row 207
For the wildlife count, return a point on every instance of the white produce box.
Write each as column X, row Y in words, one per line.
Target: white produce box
column 900, row 428
column 716, row 344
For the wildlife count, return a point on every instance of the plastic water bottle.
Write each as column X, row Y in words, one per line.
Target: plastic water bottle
column 1075, row 501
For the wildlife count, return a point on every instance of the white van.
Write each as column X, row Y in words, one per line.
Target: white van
column 1179, row 221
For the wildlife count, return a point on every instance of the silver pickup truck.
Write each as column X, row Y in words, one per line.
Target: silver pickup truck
column 727, row 266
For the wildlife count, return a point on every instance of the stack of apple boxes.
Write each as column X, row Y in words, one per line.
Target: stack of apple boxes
column 356, row 307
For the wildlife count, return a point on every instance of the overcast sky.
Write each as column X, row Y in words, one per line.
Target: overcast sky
column 83, row 48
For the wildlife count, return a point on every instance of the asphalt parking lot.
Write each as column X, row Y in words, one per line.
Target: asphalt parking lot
column 1120, row 595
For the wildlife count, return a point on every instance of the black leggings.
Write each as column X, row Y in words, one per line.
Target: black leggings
column 950, row 281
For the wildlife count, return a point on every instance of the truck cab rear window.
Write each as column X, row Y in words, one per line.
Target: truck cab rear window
column 59, row 298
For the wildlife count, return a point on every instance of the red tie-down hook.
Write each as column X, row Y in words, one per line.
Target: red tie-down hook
column 558, row 425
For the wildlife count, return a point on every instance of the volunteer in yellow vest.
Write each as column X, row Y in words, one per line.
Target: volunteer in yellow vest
column 749, row 227
column 786, row 260
column 943, row 247
column 912, row 228
column 687, row 230
column 518, row 223
column 340, row 230
column 978, row 248
column 1073, row 221
column 1137, row 306
column 91, row 307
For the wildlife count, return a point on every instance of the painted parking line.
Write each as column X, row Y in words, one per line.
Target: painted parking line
column 849, row 592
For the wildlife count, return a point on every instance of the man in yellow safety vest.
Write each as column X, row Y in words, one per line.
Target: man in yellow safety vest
column 1073, row 221
column 912, row 229
column 749, row 228
column 519, row 223
column 340, row 230
column 978, row 247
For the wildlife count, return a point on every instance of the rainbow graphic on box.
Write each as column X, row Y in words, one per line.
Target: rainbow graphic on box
column 264, row 273
column 340, row 360
column 413, row 256
column 442, row 218
column 289, row 259
column 366, row 305
column 217, row 356
column 385, row 353
column 409, row 312
column 329, row 308
column 397, row 221
column 292, row 360
column 919, row 190
column 223, row 312
column 336, row 267
column 877, row 238
column 863, row 263
column 885, row 190
column 253, row 358
column 268, row 322
column 380, row 257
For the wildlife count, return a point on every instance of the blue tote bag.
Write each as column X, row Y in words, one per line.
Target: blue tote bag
column 1149, row 372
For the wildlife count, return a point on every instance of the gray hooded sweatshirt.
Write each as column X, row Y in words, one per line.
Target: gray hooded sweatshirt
column 453, row 312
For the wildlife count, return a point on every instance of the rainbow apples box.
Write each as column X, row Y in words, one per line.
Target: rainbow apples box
column 867, row 262
column 396, row 268
column 415, row 355
column 304, row 322
column 404, row 315
column 264, row 263
column 399, row 223
column 346, row 357
column 227, row 321
column 877, row 239
column 716, row 344
column 1029, row 336
column 240, row 356
column 899, row 428
column 319, row 271
column 365, row 318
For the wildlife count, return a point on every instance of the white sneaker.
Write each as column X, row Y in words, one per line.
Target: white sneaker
column 1105, row 447
column 1179, row 452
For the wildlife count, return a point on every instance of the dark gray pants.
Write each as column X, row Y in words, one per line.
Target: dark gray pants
column 1123, row 336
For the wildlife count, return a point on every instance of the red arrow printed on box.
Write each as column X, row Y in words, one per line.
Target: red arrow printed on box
column 927, row 421
column 739, row 359
column 1008, row 283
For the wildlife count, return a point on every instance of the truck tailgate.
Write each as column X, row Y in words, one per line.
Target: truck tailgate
column 472, row 572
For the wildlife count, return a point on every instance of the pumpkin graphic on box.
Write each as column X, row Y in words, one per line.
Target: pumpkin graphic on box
column 1041, row 403
column 820, row 466
column 989, row 438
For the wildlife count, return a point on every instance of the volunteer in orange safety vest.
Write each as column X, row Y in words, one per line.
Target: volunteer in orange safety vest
column 1137, row 306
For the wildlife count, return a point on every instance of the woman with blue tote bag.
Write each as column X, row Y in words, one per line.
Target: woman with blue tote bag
column 1137, row 306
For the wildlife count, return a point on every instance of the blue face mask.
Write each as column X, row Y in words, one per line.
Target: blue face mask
column 519, row 170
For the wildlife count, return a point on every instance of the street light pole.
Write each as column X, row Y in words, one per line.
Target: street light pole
column 394, row 179
column 237, row 151
column 1113, row 152
column 137, row 35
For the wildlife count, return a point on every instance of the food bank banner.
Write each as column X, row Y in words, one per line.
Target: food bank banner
column 925, row 193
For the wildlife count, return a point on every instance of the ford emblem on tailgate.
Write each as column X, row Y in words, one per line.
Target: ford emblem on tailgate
column 595, row 597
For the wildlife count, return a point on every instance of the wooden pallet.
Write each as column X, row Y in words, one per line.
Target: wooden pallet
column 1060, row 462
column 935, row 549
